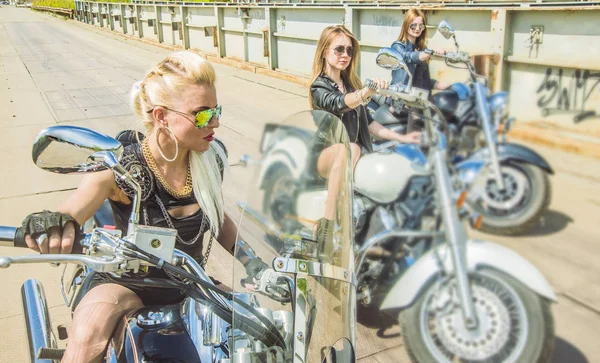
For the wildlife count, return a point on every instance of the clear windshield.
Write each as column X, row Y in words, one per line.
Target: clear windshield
column 296, row 217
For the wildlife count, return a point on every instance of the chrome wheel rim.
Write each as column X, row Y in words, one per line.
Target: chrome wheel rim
column 502, row 328
column 516, row 186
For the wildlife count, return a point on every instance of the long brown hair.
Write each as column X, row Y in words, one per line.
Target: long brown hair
column 320, row 61
column 411, row 14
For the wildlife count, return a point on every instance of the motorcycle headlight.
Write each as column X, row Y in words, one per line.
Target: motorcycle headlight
column 499, row 107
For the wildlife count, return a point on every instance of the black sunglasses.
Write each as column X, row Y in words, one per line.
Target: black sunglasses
column 339, row 50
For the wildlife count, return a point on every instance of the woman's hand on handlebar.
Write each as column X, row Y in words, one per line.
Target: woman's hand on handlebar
column 56, row 242
column 50, row 232
column 380, row 83
column 428, row 53
column 411, row 138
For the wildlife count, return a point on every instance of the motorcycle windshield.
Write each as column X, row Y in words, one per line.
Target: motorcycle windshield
column 293, row 280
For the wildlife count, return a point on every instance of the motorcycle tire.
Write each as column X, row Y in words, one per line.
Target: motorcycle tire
column 493, row 292
column 526, row 215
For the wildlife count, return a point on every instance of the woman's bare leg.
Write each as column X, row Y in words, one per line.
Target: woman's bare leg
column 95, row 319
column 331, row 165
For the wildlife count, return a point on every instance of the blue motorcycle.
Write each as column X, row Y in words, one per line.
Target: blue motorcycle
column 518, row 189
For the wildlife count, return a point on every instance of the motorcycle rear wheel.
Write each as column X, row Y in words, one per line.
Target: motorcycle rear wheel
column 524, row 210
column 514, row 323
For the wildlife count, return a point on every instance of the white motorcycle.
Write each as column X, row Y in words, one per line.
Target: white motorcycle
column 456, row 299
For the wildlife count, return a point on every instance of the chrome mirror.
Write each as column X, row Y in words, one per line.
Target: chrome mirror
column 389, row 58
column 446, row 29
column 73, row 150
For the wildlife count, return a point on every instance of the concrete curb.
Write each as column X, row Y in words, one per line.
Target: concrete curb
column 542, row 133
column 555, row 137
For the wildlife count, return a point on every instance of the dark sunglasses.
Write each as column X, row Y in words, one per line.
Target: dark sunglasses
column 201, row 118
column 339, row 50
column 414, row 26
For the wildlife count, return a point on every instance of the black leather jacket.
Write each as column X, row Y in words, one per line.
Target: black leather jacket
column 327, row 96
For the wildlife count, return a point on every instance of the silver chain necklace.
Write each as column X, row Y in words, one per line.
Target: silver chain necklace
column 179, row 239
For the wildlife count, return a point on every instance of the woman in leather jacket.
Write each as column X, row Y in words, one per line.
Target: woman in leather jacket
column 336, row 88
column 412, row 45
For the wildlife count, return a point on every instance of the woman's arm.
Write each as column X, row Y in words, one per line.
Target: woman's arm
column 409, row 56
column 333, row 101
column 378, row 130
column 89, row 195
column 81, row 205
column 228, row 235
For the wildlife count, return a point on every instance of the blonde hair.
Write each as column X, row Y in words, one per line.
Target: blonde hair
column 320, row 60
column 411, row 14
column 170, row 77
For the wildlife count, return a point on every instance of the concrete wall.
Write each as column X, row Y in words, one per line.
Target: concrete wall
column 557, row 78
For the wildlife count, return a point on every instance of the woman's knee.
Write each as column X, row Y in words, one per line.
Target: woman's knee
column 112, row 298
column 331, row 158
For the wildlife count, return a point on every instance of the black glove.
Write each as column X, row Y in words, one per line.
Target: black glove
column 36, row 224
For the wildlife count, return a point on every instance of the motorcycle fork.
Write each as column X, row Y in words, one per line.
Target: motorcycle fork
column 455, row 232
column 483, row 110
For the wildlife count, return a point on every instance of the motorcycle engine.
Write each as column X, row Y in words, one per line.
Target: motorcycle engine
column 361, row 207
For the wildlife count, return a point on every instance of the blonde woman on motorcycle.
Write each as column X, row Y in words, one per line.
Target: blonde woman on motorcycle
column 179, row 166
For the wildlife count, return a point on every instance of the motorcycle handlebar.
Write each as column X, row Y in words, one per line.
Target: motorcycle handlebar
column 454, row 57
column 14, row 237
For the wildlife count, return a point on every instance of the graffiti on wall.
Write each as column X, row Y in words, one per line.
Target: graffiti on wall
column 387, row 25
column 572, row 95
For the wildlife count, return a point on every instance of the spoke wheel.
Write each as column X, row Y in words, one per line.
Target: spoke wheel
column 514, row 324
column 518, row 208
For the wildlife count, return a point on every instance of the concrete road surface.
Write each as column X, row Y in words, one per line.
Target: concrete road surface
column 56, row 71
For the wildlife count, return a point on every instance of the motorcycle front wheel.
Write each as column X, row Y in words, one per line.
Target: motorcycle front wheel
column 514, row 323
column 518, row 208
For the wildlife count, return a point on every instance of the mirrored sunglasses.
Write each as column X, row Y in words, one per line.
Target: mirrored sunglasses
column 420, row 26
column 201, row 118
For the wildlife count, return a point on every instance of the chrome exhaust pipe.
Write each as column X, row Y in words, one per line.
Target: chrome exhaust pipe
column 37, row 320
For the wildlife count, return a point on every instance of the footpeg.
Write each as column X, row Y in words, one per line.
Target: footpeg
column 50, row 353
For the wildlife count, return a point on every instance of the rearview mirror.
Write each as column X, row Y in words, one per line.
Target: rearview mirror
column 446, row 29
column 74, row 150
column 389, row 58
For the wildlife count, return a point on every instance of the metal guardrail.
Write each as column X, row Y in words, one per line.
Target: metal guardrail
column 66, row 12
column 549, row 70
column 382, row 3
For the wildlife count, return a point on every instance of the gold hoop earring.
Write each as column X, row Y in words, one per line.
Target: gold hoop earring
column 160, row 150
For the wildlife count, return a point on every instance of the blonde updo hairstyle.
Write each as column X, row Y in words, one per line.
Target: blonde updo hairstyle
column 171, row 77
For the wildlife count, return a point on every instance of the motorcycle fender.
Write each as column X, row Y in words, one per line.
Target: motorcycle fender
column 469, row 171
column 291, row 152
column 479, row 254
column 515, row 152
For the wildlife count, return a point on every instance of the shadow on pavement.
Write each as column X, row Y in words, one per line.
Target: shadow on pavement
column 552, row 222
column 566, row 352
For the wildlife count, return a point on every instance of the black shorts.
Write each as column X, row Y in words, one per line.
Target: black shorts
column 148, row 295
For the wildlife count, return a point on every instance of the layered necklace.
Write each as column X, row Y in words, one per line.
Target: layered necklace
column 183, row 193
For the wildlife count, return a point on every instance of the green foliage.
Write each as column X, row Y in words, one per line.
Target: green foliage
column 60, row 4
